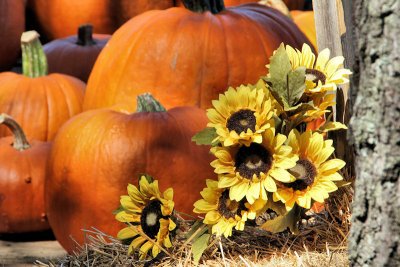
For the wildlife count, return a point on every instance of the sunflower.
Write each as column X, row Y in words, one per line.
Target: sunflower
column 322, row 74
column 240, row 116
column 223, row 213
column 314, row 172
column 149, row 217
column 252, row 171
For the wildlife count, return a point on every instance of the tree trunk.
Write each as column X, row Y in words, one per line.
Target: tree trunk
column 375, row 134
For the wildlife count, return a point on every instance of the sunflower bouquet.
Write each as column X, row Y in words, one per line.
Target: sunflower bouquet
column 272, row 156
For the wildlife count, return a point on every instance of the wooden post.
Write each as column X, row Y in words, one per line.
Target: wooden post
column 334, row 27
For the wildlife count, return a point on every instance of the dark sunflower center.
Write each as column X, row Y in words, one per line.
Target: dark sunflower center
column 305, row 172
column 252, row 160
column 242, row 120
column 150, row 218
column 229, row 208
column 315, row 76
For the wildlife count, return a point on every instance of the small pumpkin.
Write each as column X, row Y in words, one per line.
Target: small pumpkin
column 75, row 55
column 97, row 153
column 305, row 21
column 22, row 175
column 60, row 18
column 12, row 24
column 40, row 103
column 213, row 49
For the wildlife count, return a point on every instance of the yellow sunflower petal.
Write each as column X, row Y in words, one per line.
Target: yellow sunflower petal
column 238, row 191
column 202, row 206
column 331, row 166
column 124, row 216
column 212, row 217
column 322, row 59
column 128, row 204
column 227, row 181
column 144, row 249
column 332, row 65
column 269, row 184
column 281, row 175
column 127, row 232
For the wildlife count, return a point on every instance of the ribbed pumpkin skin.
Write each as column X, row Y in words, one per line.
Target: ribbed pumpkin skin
column 305, row 21
column 61, row 18
column 65, row 56
column 40, row 105
column 187, row 58
column 97, row 153
column 22, row 176
column 12, row 24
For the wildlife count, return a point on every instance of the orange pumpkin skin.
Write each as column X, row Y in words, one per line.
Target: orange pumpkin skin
column 22, row 176
column 305, row 21
column 97, row 153
column 12, row 24
column 61, row 18
column 62, row 55
column 40, row 105
column 192, row 65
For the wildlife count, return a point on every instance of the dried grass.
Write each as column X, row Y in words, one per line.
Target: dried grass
column 321, row 242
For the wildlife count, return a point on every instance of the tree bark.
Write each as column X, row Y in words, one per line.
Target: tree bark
column 375, row 135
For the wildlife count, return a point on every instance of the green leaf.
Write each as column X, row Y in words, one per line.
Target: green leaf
column 281, row 223
column 300, row 108
column 199, row 246
column 279, row 66
column 296, row 85
column 287, row 85
column 120, row 208
column 332, row 126
column 194, row 228
column 205, row 137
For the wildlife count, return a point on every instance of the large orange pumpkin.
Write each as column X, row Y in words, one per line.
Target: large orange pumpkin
column 12, row 24
column 40, row 103
column 75, row 55
column 22, row 176
column 97, row 153
column 213, row 48
column 61, row 18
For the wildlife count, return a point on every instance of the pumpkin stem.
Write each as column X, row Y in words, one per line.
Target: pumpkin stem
column 20, row 141
column 85, row 35
column 147, row 103
column 200, row 6
column 34, row 61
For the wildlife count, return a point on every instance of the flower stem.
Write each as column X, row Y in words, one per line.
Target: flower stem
column 34, row 61
column 20, row 142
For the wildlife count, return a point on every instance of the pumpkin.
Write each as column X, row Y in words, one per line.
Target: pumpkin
column 97, row 153
column 12, row 24
column 305, row 21
column 62, row 54
column 22, row 176
column 60, row 18
column 40, row 103
column 213, row 48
